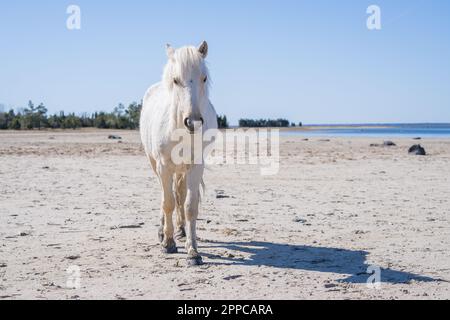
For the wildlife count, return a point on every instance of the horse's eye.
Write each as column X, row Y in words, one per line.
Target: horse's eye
column 206, row 79
column 176, row 82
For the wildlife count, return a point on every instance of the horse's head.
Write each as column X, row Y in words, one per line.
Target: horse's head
column 186, row 78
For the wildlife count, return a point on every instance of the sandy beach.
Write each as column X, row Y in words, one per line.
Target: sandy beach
column 75, row 199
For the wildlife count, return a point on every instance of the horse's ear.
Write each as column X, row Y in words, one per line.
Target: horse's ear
column 203, row 49
column 170, row 51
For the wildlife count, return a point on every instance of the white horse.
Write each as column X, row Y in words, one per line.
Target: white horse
column 180, row 101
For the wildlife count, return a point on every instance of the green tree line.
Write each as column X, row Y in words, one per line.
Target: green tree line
column 266, row 123
column 36, row 117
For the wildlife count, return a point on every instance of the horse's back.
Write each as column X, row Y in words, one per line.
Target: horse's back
column 152, row 99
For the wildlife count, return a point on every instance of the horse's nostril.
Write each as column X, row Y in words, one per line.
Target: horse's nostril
column 190, row 124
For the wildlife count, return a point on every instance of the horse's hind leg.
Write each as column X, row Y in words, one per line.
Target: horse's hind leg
column 180, row 199
column 161, row 227
column 167, row 208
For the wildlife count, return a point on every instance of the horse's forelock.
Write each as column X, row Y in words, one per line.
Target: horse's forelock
column 184, row 61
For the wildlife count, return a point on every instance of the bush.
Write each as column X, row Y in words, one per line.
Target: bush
column 222, row 122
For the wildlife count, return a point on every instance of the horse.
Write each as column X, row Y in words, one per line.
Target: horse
column 179, row 102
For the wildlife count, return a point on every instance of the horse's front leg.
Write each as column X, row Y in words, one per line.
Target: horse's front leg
column 193, row 180
column 180, row 200
column 161, row 216
column 167, row 208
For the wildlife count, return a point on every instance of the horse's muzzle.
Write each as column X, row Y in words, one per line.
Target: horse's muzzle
column 192, row 125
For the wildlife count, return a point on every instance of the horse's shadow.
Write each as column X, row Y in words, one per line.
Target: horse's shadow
column 320, row 259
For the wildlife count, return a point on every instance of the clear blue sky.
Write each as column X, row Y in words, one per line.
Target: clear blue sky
column 311, row 61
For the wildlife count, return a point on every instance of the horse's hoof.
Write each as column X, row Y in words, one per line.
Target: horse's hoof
column 170, row 248
column 180, row 234
column 194, row 261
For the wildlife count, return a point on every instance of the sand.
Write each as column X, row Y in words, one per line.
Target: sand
column 77, row 200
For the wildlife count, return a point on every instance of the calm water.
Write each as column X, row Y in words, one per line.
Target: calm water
column 394, row 130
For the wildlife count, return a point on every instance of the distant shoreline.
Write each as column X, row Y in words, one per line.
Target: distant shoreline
column 424, row 130
column 379, row 131
column 357, row 126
